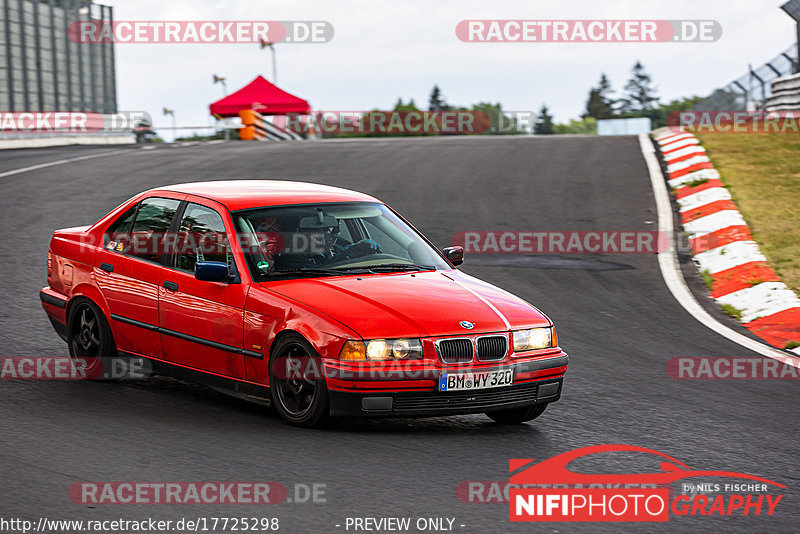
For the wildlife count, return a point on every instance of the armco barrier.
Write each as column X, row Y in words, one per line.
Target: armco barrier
column 255, row 127
column 785, row 94
column 100, row 130
column 252, row 126
column 723, row 247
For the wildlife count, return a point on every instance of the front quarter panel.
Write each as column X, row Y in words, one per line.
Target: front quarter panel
column 268, row 314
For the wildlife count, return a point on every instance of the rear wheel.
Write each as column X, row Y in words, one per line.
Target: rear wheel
column 297, row 384
column 516, row 416
column 91, row 344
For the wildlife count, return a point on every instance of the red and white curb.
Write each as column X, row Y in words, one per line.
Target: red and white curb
column 723, row 246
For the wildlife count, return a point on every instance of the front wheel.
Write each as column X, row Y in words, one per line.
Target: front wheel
column 516, row 416
column 297, row 383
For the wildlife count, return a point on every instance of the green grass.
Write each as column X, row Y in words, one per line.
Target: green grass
column 792, row 345
column 734, row 312
column 695, row 183
column 708, row 278
column 762, row 172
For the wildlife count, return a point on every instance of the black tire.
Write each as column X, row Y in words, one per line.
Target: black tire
column 516, row 416
column 301, row 399
column 91, row 343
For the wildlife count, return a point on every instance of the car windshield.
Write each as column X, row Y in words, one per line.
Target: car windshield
column 331, row 239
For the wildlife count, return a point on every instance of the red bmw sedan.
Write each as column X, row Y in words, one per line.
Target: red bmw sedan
column 319, row 301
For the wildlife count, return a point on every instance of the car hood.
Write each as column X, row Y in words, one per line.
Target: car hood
column 422, row 304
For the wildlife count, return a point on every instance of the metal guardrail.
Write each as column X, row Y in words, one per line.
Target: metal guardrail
column 279, row 134
column 32, row 124
column 256, row 128
column 785, row 94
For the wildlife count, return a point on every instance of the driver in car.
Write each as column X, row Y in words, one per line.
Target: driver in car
column 326, row 248
column 317, row 243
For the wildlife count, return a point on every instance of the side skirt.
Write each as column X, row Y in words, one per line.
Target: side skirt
column 225, row 385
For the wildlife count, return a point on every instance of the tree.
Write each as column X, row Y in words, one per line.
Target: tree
column 600, row 105
column 661, row 114
column 437, row 103
column 400, row 106
column 640, row 94
column 489, row 118
column 544, row 122
column 587, row 126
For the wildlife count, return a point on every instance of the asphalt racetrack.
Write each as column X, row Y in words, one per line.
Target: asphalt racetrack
column 614, row 314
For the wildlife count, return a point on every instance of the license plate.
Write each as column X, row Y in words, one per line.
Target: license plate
column 476, row 380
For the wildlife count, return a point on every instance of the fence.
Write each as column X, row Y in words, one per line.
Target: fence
column 752, row 90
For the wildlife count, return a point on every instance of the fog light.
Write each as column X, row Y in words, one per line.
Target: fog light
column 376, row 403
column 548, row 390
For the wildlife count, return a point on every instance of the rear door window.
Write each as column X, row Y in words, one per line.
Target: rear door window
column 119, row 231
column 150, row 227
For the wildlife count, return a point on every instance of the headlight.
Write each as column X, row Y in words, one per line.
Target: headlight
column 378, row 350
column 532, row 339
column 407, row 349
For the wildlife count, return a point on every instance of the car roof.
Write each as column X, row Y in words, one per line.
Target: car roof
column 244, row 194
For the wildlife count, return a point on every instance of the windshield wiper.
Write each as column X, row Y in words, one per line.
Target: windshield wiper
column 399, row 267
column 342, row 271
column 350, row 270
column 311, row 270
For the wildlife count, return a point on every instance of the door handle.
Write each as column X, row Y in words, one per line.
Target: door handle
column 172, row 286
column 107, row 267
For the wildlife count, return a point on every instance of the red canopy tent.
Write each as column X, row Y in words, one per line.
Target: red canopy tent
column 262, row 96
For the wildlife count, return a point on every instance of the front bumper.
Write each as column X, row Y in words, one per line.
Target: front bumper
column 394, row 395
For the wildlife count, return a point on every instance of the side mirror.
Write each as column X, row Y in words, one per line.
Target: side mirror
column 454, row 254
column 211, row 271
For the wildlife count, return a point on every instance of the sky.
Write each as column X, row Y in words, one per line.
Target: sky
column 385, row 50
